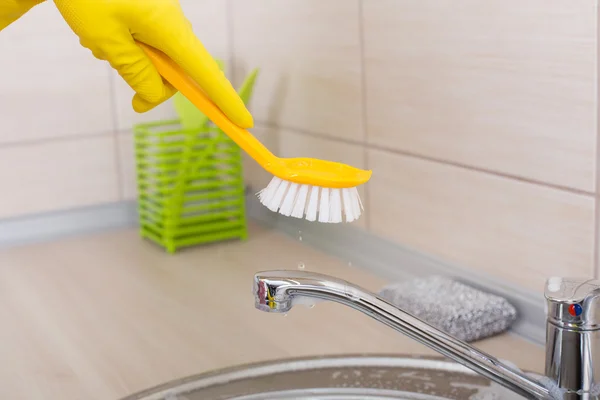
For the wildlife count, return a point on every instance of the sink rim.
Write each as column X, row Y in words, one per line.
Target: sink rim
column 221, row 376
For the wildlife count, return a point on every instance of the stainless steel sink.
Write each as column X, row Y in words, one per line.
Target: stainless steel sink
column 360, row 377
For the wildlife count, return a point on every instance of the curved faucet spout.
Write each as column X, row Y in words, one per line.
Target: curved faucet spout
column 277, row 291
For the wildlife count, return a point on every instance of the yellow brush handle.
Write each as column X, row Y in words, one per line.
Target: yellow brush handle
column 177, row 77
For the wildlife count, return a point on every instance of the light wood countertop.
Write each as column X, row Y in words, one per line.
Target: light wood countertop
column 105, row 315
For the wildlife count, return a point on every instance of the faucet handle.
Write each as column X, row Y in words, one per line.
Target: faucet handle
column 573, row 302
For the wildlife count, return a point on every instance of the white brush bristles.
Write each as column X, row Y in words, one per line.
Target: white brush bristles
column 300, row 203
column 324, row 205
column 311, row 202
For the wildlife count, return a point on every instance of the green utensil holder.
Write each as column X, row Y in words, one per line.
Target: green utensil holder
column 190, row 179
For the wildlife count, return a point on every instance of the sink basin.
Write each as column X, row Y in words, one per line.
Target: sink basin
column 360, row 377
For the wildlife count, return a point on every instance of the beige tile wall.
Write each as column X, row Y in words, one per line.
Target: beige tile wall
column 477, row 118
column 66, row 118
column 309, row 55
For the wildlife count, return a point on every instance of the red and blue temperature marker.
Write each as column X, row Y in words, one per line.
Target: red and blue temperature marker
column 575, row 310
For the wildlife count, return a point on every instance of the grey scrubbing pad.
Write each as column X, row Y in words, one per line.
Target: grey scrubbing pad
column 460, row 310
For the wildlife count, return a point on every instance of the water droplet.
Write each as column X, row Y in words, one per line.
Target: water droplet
column 301, row 265
column 349, row 263
column 300, row 235
column 311, row 306
column 285, row 315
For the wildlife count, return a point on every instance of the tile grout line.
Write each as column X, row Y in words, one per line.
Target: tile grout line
column 351, row 142
column 596, row 238
column 55, row 139
column 363, row 98
column 115, row 135
column 423, row 157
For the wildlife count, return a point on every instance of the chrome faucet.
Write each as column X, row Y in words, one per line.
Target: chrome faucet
column 573, row 330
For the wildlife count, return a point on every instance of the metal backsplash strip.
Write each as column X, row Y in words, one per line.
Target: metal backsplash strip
column 394, row 262
column 54, row 225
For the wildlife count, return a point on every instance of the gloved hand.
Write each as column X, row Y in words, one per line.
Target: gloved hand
column 11, row 10
column 108, row 28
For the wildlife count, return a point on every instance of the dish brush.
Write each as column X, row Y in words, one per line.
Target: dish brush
column 317, row 190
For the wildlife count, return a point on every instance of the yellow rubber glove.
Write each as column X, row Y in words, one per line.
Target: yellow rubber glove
column 12, row 10
column 108, row 28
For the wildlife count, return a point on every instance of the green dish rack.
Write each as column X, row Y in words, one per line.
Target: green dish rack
column 190, row 178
